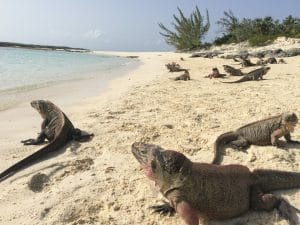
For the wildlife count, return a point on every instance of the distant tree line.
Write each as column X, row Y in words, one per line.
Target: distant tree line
column 190, row 31
column 258, row 31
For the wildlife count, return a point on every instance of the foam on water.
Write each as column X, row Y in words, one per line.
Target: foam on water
column 27, row 69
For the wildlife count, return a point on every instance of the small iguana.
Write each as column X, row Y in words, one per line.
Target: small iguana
column 215, row 74
column 174, row 67
column 262, row 132
column 213, row 192
column 246, row 62
column 185, row 76
column 56, row 128
column 271, row 60
column 252, row 75
column 233, row 71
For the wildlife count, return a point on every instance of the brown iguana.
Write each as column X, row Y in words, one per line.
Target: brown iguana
column 214, row 192
column 185, row 76
column 262, row 132
column 174, row 67
column 246, row 62
column 271, row 60
column 233, row 71
column 56, row 128
column 252, row 75
column 281, row 61
column 215, row 74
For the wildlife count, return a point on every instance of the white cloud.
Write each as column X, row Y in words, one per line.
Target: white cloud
column 93, row 34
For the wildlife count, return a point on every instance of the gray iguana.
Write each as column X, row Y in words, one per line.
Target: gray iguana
column 56, row 128
column 252, row 75
column 214, row 192
column 262, row 132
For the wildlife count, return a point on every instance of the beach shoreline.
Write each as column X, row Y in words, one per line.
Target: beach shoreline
column 99, row 182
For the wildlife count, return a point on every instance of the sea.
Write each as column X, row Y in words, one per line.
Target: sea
column 24, row 70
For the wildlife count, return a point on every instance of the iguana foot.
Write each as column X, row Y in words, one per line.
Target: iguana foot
column 268, row 202
column 288, row 212
column 29, row 141
column 293, row 142
column 78, row 135
column 164, row 209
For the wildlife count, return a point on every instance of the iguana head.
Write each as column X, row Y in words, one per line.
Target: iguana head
column 159, row 164
column 41, row 106
column 290, row 120
column 266, row 69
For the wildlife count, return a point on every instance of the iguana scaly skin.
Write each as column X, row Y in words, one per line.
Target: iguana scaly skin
column 262, row 132
column 252, row 75
column 215, row 192
column 233, row 71
column 56, row 128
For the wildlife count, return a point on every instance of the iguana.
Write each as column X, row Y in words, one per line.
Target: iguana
column 215, row 74
column 243, row 59
column 271, row 60
column 185, row 76
column 233, row 71
column 174, row 67
column 281, row 61
column 246, row 62
column 252, row 75
column 262, row 132
column 213, row 192
column 56, row 128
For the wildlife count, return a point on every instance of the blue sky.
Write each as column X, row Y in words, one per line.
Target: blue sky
column 128, row 25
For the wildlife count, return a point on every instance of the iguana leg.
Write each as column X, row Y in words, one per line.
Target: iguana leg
column 289, row 139
column 163, row 209
column 77, row 135
column 187, row 213
column 40, row 139
column 268, row 202
column 240, row 143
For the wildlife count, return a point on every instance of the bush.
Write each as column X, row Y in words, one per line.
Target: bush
column 261, row 40
column 188, row 30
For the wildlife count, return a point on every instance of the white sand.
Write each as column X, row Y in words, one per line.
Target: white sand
column 99, row 182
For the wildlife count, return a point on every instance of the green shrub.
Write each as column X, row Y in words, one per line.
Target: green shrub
column 188, row 30
column 261, row 40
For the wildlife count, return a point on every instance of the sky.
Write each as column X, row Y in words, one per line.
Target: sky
column 120, row 25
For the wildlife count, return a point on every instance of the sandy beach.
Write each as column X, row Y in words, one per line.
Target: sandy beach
column 100, row 182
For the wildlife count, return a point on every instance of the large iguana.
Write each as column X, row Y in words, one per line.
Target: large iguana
column 56, row 128
column 252, row 75
column 262, row 132
column 214, row 192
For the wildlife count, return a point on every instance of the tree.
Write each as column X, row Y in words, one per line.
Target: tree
column 189, row 31
column 229, row 22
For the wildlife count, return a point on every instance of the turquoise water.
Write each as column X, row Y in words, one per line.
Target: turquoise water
column 25, row 69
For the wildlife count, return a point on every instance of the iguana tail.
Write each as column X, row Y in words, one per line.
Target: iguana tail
column 222, row 140
column 244, row 78
column 33, row 158
column 271, row 180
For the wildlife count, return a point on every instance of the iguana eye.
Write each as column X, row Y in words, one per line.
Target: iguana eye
column 143, row 151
